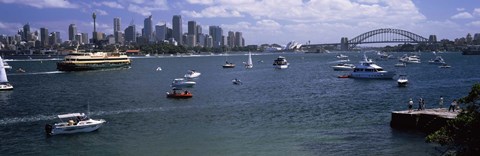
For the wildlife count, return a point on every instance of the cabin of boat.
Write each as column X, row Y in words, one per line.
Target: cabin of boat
column 93, row 61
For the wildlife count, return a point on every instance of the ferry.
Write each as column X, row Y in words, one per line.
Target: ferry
column 80, row 61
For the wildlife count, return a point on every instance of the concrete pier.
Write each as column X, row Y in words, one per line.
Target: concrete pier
column 428, row 120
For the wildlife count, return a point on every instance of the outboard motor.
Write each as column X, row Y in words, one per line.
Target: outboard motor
column 48, row 129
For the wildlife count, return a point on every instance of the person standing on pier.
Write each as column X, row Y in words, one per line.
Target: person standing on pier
column 440, row 102
column 410, row 105
column 453, row 105
column 423, row 104
column 419, row 104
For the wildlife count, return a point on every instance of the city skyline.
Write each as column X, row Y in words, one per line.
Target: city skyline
column 320, row 21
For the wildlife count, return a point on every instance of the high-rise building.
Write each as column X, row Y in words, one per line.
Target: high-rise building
column 26, row 32
column 85, row 38
column 239, row 39
column 192, row 33
column 177, row 29
column 199, row 35
column 94, row 34
column 116, row 29
column 208, row 41
column 78, row 39
column 160, row 32
column 44, row 37
column 130, row 34
column 53, row 38
column 148, row 29
column 231, row 39
column 469, row 38
column 72, row 31
column 59, row 39
column 216, row 33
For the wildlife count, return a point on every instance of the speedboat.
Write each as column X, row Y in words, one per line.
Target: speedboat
column 4, row 85
column 280, row 63
column 437, row 60
column 402, row 81
column 192, row 74
column 444, row 66
column 410, row 59
column 401, row 65
column 73, row 123
column 179, row 95
column 237, row 82
column 369, row 70
column 341, row 56
column 181, row 83
column 228, row 65
column 343, row 67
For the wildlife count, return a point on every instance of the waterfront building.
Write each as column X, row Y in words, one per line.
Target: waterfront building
column 53, row 38
column 72, row 31
column 476, row 39
column 201, row 40
column 231, row 39
column 160, row 32
column 130, row 34
column 199, row 34
column 239, row 41
column 192, row 33
column 177, row 29
column 116, row 29
column 148, row 29
column 208, row 41
column 84, row 38
column 216, row 33
column 44, row 37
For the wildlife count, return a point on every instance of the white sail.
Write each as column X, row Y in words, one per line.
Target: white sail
column 249, row 62
column 3, row 73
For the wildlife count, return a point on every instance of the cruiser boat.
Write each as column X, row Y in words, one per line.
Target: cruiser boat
column 410, row 59
column 343, row 67
column 192, row 74
column 93, row 61
column 73, row 123
column 437, row 60
column 181, row 83
column 369, row 70
column 280, row 63
column 402, row 81
column 341, row 56
column 4, row 85
column 179, row 95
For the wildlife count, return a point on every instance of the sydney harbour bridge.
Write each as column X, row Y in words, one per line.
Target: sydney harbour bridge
column 384, row 35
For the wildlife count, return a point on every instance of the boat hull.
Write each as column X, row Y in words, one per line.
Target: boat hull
column 342, row 68
column 61, row 66
column 6, row 87
column 179, row 96
column 281, row 66
column 372, row 75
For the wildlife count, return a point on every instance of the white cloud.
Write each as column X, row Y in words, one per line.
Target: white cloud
column 101, row 12
column 213, row 12
column 476, row 11
column 462, row 15
column 9, row 28
column 112, row 5
column 460, row 9
column 204, row 2
column 145, row 8
column 474, row 23
column 43, row 3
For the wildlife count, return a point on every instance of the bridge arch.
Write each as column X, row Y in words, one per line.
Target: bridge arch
column 386, row 35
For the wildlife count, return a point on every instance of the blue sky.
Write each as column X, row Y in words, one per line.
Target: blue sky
column 261, row 21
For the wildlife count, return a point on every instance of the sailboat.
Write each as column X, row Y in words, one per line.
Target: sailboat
column 4, row 85
column 249, row 63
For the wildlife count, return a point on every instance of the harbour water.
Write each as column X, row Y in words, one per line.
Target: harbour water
column 302, row 110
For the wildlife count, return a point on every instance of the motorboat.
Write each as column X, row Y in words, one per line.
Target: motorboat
column 437, row 60
column 343, row 67
column 444, row 66
column 402, row 81
column 236, row 82
column 192, row 74
column 249, row 63
column 74, row 123
column 176, row 94
column 410, row 59
column 182, row 83
column 369, row 70
column 280, row 63
column 401, row 64
column 6, row 65
column 4, row 85
column 341, row 56
column 228, row 65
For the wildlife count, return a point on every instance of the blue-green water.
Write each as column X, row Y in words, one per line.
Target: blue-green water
column 302, row 110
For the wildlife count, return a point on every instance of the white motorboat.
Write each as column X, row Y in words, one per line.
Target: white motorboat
column 228, row 65
column 236, row 82
column 444, row 66
column 181, row 83
column 280, row 63
column 6, row 65
column 4, row 85
column 249, row 63
column 437, row 60
column 410, row 59
column 402, row 81
column 341, row 56
column 369, row 70
column 343, row 67
column 192, row 74
column 401, row 65
column 73, row 123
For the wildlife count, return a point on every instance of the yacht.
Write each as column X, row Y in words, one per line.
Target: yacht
column 343, row 67
column 73, row 123
column 228, row 65
column 368, row 69
column 280, row 63
column 80, row 61
column 437, row 60
column 410, row 59
column 402, row 81
column 4, row 85
column 192, row 74
column 181, row 83
column 341, row 56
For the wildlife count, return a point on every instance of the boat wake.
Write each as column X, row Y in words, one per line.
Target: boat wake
column 39, row 73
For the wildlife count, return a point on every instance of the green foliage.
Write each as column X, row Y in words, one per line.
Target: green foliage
column 462, row 134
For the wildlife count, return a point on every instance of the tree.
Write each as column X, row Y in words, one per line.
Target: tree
column 462, row 135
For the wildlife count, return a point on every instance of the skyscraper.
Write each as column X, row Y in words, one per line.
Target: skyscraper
column 238, row 39
column 94, row 34
column 148, row 28
column 26, row 32
column 44, row 36
column 231, row 39
column 130, row 34
column 160, row 32
column 72, row 31
column 116, row 29
column 216, row 33
column 177, row 29
column 85, row 38
column 192, row 33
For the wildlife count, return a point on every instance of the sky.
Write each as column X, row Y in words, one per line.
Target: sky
column 260, row 21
